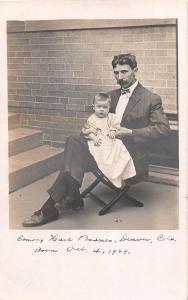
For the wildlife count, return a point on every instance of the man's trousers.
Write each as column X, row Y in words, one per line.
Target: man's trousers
column 76, row 161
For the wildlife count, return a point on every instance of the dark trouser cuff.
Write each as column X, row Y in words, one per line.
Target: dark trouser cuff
column 48, row 207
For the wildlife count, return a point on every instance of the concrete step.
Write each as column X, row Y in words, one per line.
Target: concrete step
column 163, row 175
column 23, row 139
column 31, row 165
column 13, row 120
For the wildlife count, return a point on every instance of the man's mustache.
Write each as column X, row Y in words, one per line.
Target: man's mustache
column 121, row 81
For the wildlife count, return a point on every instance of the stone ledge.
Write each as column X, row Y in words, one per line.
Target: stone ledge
column 72, row 24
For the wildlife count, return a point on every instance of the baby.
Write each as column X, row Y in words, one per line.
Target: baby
column 110, row 154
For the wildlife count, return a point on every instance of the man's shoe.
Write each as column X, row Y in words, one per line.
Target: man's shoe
column 75, row 203
column 70, row 203
column 38, row 218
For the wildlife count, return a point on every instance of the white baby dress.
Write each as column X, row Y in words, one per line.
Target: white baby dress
column 112, row 157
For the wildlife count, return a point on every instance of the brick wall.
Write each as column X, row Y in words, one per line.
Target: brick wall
column 53, row 75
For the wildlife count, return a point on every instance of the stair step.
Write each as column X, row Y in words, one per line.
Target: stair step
column 164, row 170
column 31, row 165
column 164, row 175
column 13, row 120
column 23, row 139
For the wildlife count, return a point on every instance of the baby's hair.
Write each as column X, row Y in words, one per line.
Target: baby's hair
column 102, row 97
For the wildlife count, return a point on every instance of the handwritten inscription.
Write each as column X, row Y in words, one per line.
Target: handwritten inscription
column 39, row 249
column 127, row 238
column 162, row 238
column 89, row 244
column 71, row 248
column 21, row 238
column 86, row 238
column 58, row 238
column 111, row 251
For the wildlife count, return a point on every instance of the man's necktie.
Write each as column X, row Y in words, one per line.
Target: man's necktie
column 123, row 92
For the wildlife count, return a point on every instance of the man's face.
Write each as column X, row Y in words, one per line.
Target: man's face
column 101, row 108
column 124, row 75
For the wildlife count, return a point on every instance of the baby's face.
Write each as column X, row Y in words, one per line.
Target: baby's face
column 101, row 108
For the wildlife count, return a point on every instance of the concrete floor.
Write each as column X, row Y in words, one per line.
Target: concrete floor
column 160, row 209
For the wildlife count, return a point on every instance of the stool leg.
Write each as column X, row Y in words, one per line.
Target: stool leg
column 133, row 200
column 109, row 184
column 97, row 199
column 107, row 207
column 92, row 186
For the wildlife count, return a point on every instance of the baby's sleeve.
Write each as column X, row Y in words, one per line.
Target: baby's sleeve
column 86, row 125
column 89, row 127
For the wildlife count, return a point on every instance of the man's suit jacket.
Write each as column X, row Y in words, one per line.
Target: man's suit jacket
column 145, row 116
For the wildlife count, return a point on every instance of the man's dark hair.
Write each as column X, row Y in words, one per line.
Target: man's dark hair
column 125, row 59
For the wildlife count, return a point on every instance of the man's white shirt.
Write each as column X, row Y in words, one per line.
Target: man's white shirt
column 123, row 101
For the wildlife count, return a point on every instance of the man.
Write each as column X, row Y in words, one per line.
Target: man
column 139, row 110
column 142, row 120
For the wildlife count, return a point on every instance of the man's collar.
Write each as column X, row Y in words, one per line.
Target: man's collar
column 130, row 89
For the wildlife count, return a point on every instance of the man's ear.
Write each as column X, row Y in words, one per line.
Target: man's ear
column 135, row 69
column 93, row 106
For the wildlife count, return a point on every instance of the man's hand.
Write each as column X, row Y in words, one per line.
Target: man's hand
column 112, row 134
column 96, row 140
column 122, row 132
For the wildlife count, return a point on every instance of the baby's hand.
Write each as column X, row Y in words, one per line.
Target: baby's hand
column 112, row 134
column 87, row 131
column 97, row 140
